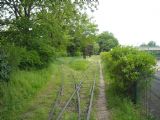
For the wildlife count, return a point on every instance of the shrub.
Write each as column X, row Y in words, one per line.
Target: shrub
column 38, row 50
column 46, row 53
column 4, row 66
column 14, row 58
column 37, row 55
column 105, row 56
column 119, row 52
column 43, row 52
column 29, row 59
column 129, row 69
column 9, row 60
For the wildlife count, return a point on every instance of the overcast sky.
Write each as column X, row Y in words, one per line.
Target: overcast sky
column 133, row 22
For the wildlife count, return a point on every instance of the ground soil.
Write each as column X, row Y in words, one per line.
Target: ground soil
column 102, row 112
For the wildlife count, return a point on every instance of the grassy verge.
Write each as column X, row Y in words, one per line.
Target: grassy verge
column 121, row 108
column 29, row 94
column 22, row 87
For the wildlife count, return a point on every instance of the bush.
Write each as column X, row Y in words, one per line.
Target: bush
column 4, row 66
column 14, row 54
column 29, row 59
column 129, row 69
column 46, row 52
column 37, row 47
column 9, row 60
column 105, row 56
column 38, row 55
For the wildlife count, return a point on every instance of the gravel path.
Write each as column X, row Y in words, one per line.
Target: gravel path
column 102, row 112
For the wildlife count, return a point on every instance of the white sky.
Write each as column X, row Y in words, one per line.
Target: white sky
column 133, row 22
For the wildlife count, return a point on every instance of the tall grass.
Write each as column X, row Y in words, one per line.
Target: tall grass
column 22, row 87
column 122, row 108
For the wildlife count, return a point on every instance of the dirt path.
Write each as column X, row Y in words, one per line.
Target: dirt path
column 102, row 112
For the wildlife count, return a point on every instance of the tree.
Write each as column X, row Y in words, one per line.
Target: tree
column 83, row 35
column 106, row 41
column 96, row 48
column 143, row 45
column 45, row 28
column 151, row 44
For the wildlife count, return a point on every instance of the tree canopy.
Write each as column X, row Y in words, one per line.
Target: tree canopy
column 150, row 44
column 40, row 30
column 107, row 41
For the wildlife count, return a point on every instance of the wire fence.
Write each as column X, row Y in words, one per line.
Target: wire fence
column 151, row 97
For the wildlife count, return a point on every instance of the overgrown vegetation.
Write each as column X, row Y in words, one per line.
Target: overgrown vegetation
column 121, row 107
column 9, row 61
column 23, row 86
column 106, row 41
column 29, row 94
column 129, row 68
column 125, row 70
column 39, row 31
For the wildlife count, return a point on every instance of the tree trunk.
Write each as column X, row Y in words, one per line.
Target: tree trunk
column 84, row 53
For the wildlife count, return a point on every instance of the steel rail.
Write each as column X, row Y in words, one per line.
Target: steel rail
column 69, row 100
column 54, row 105
column 91, row 100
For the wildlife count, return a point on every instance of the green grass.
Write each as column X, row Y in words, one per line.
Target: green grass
column 29, row 94
column 79, row 64
column 121, row 108
column 20, row 89
column 83, row 70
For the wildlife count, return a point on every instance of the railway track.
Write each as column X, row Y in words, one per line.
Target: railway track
column 80, row 100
